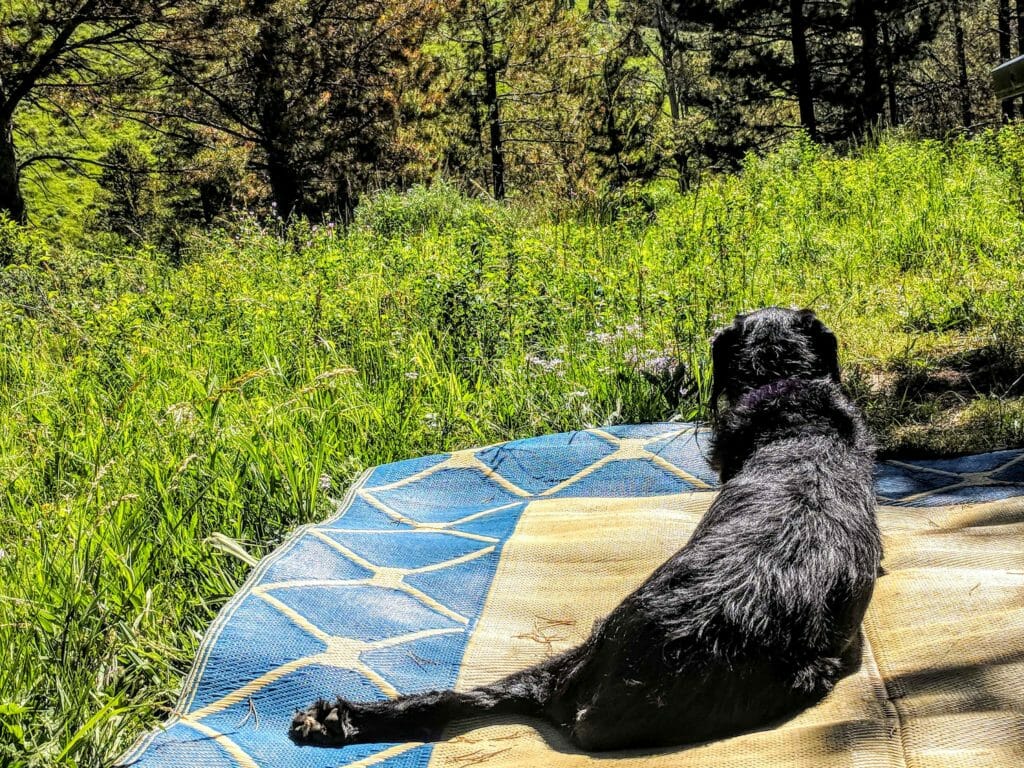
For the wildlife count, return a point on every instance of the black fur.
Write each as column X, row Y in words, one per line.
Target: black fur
column 755, row 618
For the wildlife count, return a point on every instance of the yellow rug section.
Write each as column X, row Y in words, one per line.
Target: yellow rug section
column 942, row 679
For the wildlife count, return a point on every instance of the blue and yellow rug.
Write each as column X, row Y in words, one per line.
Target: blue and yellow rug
column 454, row 570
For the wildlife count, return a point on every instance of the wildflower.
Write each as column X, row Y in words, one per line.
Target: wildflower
column 412, row 375
column 659, row 366
column 325, row 483
column 620, row 332
column 547, row 366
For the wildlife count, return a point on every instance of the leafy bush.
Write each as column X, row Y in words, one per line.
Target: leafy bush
column 422, row 209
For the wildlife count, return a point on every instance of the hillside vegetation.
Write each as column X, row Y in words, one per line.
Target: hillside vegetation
column 162, row 422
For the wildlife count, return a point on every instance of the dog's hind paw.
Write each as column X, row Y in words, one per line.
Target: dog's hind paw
column 325, row 724
column 819, row 677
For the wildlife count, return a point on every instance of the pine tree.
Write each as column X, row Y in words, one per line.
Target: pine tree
column 624, row 109
column 514, row 76
column 831, row 67
column 315, row 86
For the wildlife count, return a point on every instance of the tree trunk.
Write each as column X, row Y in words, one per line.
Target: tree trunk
column 11, row 201
column 1020, row 27
column 675, row 83
column 1005, row 50
column 873, row 96
column 271, row 104
column 890, row 77
column 966, row 115
column 284, row 186
column 615, row 143
column 491, row 101
column 802, row 67
column 1020, row 35
column 347, row 198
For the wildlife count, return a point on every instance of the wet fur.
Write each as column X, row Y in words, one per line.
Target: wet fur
column 755, row 618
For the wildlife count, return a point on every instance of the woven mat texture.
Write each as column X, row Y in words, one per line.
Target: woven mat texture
column 454, row 570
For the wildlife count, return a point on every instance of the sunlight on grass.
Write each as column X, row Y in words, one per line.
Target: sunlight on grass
column 161, row 422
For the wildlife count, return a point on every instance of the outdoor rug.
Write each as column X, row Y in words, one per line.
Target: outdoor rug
column 454, row 570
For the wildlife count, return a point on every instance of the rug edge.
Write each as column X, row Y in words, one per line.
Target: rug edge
column 190, row 683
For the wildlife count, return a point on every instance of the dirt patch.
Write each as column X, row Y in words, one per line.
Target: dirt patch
column 966, row 397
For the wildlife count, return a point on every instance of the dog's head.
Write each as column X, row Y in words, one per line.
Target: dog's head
column 768, row 345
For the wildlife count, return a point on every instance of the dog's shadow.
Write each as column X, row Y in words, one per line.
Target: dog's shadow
column 556, row 741
column 552, row 737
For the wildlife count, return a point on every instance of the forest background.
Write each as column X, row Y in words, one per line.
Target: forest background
column 147, row 117
column 249, row 248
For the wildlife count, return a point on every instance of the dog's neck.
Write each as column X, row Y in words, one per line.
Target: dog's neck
column 782, row 409
column 770, row 391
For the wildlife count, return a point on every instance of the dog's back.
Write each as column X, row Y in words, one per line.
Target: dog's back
column 794, row 530
column 758, row 615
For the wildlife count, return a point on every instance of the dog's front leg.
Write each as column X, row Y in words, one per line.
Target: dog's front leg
column 408, row 718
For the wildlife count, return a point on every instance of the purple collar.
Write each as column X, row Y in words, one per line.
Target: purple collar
column 770, row 391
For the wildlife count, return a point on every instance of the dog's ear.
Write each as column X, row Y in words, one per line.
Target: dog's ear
column 823, row 343
column 723, row 349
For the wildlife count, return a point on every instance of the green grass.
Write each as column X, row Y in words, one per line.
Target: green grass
column 151, row 412
column 64, row 198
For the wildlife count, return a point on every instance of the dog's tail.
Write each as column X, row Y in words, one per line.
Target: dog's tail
column 422, row 716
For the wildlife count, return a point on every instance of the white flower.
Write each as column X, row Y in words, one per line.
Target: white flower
column 325, row 482
column 653, row 363
column 601, row 337
column 546, row 365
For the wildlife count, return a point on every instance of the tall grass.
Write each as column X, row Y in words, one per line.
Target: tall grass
column 155, row 417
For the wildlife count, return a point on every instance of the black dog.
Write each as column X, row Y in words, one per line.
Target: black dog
column 755, row 618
